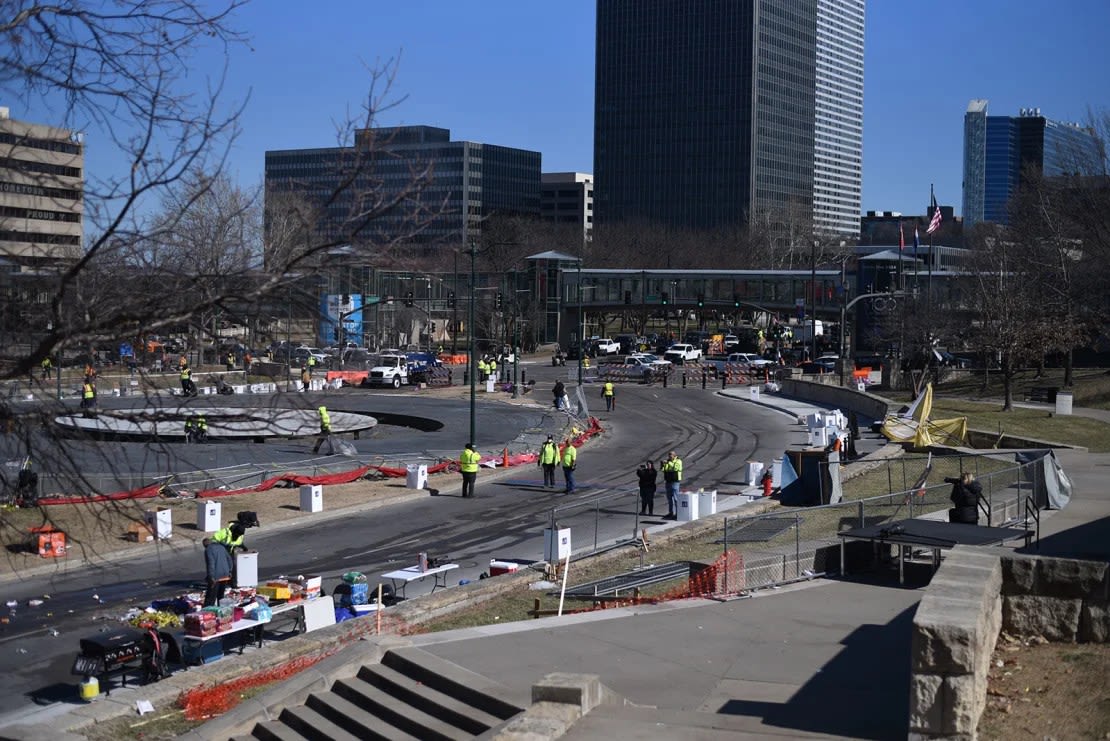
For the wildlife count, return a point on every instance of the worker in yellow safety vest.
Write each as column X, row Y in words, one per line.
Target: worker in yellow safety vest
column 88, row 396
column 325, row 427
column 570, row 462
column 549, row 455
column 468, row 467
column 231, row 537
column 607, row 393
column 672, row 478
column 188, row 388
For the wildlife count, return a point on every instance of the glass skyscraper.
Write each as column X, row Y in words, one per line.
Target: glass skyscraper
column 997, row 149
column 711, row 112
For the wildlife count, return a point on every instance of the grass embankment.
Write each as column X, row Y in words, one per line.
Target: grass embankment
column 966, row 397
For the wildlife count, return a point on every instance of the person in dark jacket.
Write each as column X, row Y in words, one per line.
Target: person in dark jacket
column 217, row 571
column 965, row 495
column 558, row 392
column 649, row 478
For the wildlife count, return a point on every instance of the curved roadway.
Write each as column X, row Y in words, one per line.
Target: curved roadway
column 715, row 436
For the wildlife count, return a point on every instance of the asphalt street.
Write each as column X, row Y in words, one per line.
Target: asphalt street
column 715, row 436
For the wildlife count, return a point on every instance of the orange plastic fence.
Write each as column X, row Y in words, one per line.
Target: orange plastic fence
column 207, row 701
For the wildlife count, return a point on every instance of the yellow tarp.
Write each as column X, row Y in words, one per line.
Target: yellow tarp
column 915, row 425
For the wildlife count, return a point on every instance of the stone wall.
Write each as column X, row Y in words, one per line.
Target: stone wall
column 976, row 593
column 954, row 632
column 1060, row 599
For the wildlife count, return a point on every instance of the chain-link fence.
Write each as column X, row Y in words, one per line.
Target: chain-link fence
column 793, row 543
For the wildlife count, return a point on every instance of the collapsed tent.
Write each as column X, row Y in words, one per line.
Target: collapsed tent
column 916, row 425
column 1051, row 486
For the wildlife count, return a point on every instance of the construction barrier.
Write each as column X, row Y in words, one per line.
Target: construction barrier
column 502, row 459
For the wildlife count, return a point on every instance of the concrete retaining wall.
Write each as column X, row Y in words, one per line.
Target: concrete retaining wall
column 975, row 594
column 845, row 399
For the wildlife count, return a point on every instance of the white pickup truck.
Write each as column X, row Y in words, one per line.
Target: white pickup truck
column 682, row 353
column 606, row 346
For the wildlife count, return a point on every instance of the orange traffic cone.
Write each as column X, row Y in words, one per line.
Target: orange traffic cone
column 505, row 457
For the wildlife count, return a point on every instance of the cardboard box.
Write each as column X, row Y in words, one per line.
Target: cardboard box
column 270, row 592
column 139, row 532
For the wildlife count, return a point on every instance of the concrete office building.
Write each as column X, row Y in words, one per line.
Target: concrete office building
column 998, row 149
column 465, row 182
column 712, row 112
column 41, row 187
column 568, row 198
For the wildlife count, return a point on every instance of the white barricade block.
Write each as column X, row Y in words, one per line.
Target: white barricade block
column 416, row 476
column 489, row 385
column 707, row 502
column 753, row 473
column 776, row 473
column 556, row 544
column 753, row 393
column 312, row 498
column 160, row 523
column 239, row 389
column 208, row 516
column 687, row 506
column 819, row 438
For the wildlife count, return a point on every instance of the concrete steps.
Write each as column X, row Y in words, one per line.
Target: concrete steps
column 411, row 694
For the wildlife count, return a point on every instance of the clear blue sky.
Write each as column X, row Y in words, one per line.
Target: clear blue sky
column 521, row 74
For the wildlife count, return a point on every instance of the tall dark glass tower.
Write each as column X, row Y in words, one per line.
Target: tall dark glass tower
column 707, row 111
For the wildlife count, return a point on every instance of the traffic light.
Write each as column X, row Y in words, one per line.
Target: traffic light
column 451, row 300
column 701, row 300
column 736, row 300
column 497, row 301
column 409, row 299
column 666, row 298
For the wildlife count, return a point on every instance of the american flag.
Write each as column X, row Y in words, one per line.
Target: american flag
column 934, row 223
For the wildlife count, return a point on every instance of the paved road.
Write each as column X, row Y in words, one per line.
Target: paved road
column 715, row 436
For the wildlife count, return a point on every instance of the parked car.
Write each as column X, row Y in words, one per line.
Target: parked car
column 815, row 367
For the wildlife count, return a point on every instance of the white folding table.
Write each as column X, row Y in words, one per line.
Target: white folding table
column 402, row 577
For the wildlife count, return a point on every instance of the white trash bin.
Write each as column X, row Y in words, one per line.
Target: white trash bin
column 416, row 476
column 776, row 473
column 312, row 498
column 707, row 503
column 1063, row 403
column 753, row 473
column 753, row 391
column 489, row 385
column 687, row 506
column 208, row 516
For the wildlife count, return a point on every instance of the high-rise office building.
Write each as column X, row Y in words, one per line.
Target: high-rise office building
column 568, row 198
column 711, row 112
column 998, row 149
column 838, row 133
column 462, row 183
column 41, row 194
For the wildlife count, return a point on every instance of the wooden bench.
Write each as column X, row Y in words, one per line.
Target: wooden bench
column 1045, row 394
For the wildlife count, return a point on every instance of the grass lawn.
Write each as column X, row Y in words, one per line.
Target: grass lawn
column 964, row 397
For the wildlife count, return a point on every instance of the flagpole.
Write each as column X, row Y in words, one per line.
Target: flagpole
column 929, row 285
column 901, row 253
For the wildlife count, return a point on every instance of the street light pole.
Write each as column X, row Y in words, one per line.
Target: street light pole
column 813, row 301
column 473, row 251
column 581, row 324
